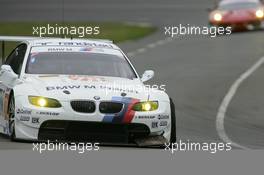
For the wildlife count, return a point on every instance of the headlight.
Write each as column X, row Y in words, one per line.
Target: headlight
column 218, row 17
column 259, row 13
column 146, row 106
column 44, row 102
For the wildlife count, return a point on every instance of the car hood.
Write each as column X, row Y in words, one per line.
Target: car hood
column 239, row 15
column 68, row 87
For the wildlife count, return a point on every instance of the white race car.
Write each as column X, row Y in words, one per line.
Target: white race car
column 80, row 90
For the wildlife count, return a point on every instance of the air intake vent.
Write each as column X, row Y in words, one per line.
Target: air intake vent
column 110, row 107
column 83, row 106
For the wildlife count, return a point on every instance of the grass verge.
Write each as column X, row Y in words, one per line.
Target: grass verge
column 118, row 32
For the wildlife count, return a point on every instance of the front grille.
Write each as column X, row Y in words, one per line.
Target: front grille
column 110, row 107
column 83, row 106
column 92, row 131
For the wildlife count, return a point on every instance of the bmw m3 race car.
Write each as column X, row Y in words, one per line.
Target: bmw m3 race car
column 238, row 14
column 80, row 90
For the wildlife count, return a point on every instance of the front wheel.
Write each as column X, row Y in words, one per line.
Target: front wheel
column 173, row 122
column 11, row 113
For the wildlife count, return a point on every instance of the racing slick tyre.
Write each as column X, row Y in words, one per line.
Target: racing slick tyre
column 173, row 122
column 11, row 113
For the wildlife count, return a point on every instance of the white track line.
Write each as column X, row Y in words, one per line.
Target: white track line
column 141, row 50
column 150, row 46
column 226, row 101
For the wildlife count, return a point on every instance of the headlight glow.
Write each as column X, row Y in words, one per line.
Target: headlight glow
column 146, row 106
column 218, row 17
column 44, row 102
column 259, row 13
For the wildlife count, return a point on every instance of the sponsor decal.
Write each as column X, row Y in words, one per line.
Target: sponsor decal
column 86, row 49
column 49, row 113
column 106, row 88
column 35, row 120
column 87, row 78
column 154, row 125
column 86, row 44
column 89, row 49
column 117, row 89
column 146, row 117
column 69, row 87
column 60, row 49
column 24, row 111
column 160, row 117
column 163, row 123
column 24, row 118
column 110, row 46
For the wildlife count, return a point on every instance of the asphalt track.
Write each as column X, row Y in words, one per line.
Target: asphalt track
column 198, row 71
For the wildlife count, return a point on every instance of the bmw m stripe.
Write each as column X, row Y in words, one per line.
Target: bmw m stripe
column 126, row 115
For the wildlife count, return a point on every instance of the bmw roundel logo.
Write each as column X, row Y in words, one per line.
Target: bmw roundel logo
column 96, row 97
column 123, row 94
column 66, row 92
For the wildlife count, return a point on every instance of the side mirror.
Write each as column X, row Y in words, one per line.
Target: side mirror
column 9, row 71
column 147, row 75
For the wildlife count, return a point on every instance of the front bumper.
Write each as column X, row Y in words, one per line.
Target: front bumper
column 243, row 25
column 79, row 131
column 64, row 124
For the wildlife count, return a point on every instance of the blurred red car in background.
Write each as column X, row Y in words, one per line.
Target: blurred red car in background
column 238, row 14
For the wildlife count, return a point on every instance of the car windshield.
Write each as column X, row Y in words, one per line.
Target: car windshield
column 236, row 6
column 80, row 63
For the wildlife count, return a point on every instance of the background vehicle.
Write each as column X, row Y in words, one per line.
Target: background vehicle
column 238, row 14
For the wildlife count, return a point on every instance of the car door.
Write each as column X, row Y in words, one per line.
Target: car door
column 7, row 75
